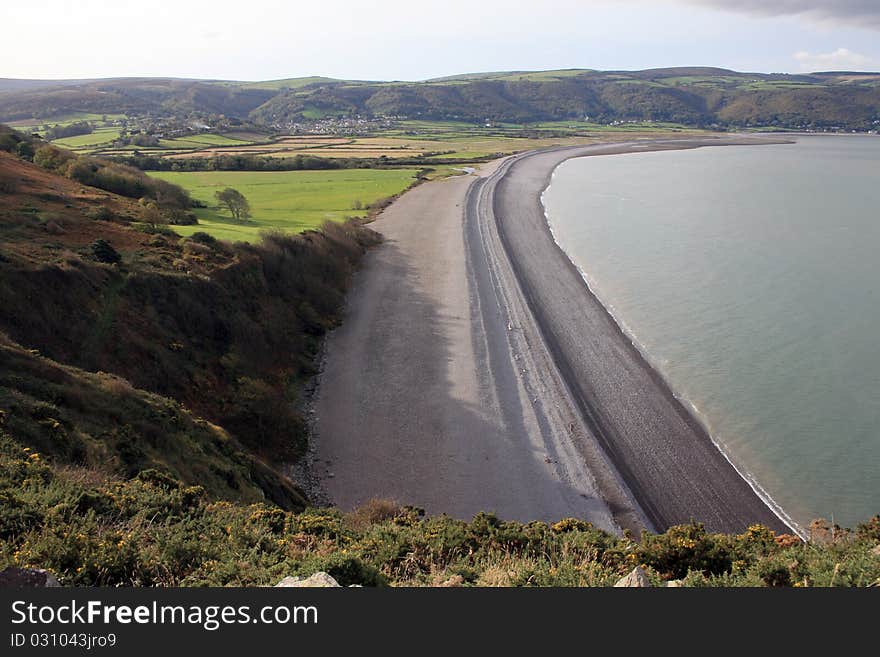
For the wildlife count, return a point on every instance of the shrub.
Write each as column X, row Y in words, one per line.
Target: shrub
column 870, row 530
column 52, row 158
column 100, row 213
column 345, row 569
column 774, row 574
column 374, row 511
column 685, row 548
column 203, row 238
column 103, row 251
column 25, row 150
column 9, row 141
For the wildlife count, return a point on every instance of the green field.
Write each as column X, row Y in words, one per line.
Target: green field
column 65, row 120
column 94, row 139
column 287, row 200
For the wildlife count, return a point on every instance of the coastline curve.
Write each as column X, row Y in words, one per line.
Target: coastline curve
column 664, row 454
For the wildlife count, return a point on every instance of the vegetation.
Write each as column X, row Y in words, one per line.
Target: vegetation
column 146, row 379
column 290, row 201
column 169, row 199
column 154, row 530
column 101, row 423
column 104, row 252
column 228, row 330
column 97, row 138
column 704, row 97
column 234, row 201
column 70, row 130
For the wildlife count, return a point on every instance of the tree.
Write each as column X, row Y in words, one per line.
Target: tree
column 235, row 202
column 152, row 215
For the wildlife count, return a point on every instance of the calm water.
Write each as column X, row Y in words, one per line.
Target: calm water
column 750, row 276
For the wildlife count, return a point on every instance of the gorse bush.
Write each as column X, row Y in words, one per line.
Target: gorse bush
column 153, row 530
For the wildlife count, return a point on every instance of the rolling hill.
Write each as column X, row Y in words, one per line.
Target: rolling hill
column 695, row 96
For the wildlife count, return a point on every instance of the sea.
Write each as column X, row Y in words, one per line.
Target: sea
column 749, row 276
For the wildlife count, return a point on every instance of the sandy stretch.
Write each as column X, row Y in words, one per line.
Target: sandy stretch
column 475, row 371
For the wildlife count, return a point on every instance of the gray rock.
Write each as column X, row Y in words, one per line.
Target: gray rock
column 27, row 577
column 318, row 580
column 636, row 579
column 674, row 584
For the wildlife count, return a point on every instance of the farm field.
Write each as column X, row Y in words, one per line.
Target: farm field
column 90, row 141
column 203, row 140
column 443, row 143
column 65, row 120
column 409, row 139
column 292, row 201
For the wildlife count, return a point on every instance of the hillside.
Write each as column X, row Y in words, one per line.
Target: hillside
column 127, row 347
column 693, row 96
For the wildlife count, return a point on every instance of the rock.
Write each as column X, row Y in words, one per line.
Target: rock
column 636, row 579
column 318, row 580
column 674, row 584
column 876, row 551
column 27, row 577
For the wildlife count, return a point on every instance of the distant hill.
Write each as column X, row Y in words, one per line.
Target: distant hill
column 697, row 96
column 10, row 84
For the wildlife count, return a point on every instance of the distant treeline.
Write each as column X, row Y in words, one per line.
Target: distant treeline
column 294, row 163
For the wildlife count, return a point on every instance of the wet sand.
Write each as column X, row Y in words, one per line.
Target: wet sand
column 475, row 371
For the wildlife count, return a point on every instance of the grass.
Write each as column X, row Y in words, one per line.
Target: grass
column 292, row 201
column 289, row 83
column 97, row 138
column 65, row 120
column 206, row 139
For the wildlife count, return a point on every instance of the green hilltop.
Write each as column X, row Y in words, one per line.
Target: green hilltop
column 694, row 96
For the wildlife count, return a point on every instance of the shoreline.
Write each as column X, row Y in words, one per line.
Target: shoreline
column 727, row 517
column 691, row 407
column 422, row 400
column 457, row 383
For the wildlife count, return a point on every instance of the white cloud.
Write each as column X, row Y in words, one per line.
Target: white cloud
column 841, row 59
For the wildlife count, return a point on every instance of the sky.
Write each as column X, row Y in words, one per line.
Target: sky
column 408, row 40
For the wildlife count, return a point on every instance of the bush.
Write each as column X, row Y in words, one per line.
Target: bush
column 104, row 252
column 686, row 548
column 375, row 511
column 100, row 213
column 25, row 150
column 178, row 217
column 52, row 158
column 203, row 238
column 345, row 569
